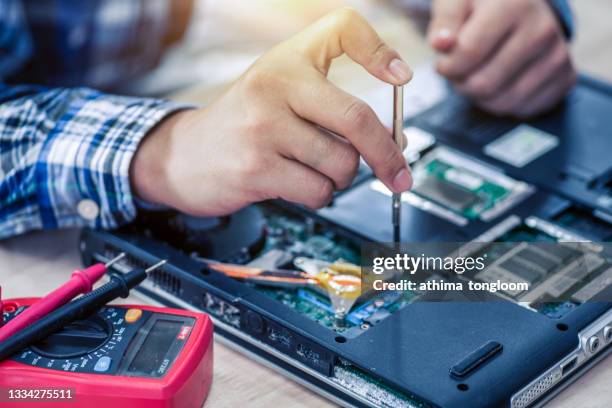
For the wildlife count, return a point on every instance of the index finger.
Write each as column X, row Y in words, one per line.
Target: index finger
column 317, row 100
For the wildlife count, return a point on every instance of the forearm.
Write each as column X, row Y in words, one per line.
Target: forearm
column 65, row 156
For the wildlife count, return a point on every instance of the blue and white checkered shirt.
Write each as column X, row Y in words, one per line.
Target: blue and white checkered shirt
column 65, row 152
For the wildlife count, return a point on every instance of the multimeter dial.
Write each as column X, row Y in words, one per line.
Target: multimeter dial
column 76, row 339
column 115, row 340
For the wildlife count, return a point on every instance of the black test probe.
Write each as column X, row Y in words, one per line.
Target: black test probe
column 119, row 285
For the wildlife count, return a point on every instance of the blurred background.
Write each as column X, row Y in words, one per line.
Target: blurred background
column 225, row 36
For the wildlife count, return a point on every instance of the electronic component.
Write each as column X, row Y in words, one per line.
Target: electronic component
column 457, row 189
column 594, row 287
column 561, row 269
column 363, row 316
column 340, row 281
column 231, row 239
column 296, row 329
column 305, row 238
column 269, row 261
column 521, row 145
column 553, row 309
column 593, row 224
column 468, row 188
column 124, row 355
column 290, row 236
column 418, row 142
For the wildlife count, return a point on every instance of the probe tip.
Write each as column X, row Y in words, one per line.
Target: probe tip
column 115, row 260
column 157, row 265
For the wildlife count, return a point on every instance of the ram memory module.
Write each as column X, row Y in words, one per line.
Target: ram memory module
column 468, row 188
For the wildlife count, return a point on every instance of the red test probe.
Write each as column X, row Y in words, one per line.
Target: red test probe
column 1, row 309
column 81, row 281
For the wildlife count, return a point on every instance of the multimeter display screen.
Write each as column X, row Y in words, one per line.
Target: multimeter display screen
column 153, row 351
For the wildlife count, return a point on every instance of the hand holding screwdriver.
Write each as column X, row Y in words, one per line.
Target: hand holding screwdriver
column 298, row 137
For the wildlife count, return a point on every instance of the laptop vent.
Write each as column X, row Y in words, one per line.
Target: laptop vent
column 125, row 264
column 159, row 277
column 166, row 281
column 536, row 389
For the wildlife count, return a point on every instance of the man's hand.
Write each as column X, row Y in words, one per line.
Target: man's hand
column 281, row 131
column 510, row 57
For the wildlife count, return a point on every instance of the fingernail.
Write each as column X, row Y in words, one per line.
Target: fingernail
column 400, row 71
column 442, row 39
column 444, row 33
column 402, row 180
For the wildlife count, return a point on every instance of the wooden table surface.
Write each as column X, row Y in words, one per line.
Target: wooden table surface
column 34, row 264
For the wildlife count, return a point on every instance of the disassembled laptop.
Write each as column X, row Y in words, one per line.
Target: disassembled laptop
column 317, row 326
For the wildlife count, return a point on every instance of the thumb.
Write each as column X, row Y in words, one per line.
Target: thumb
column 346, row 32
column 447, row 17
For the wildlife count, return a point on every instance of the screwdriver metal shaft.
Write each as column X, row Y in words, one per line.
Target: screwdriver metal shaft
column 398, row 128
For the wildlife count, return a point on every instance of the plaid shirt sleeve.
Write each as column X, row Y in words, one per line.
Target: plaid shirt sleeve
column 65, row 149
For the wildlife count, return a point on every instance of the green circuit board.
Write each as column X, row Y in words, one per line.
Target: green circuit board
column 305, row 306
column 305, row 238
column 362, row 316
column 458, row 189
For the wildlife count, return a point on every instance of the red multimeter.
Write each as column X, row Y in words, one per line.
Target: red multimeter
column 122, row 356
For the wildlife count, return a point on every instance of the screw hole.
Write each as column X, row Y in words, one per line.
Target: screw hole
column 340, row 339
column 463, row 387
column 562, row 326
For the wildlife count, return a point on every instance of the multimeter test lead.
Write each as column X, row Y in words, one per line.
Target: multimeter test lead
column 119, row 285
column 81, row 281
column 398, row 136
column 1, row 309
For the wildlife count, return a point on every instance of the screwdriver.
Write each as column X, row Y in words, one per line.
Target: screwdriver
column 398, row 129
column 119, row 285
column 81, row 281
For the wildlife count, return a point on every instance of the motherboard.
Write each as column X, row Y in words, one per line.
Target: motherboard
column 289, row 238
